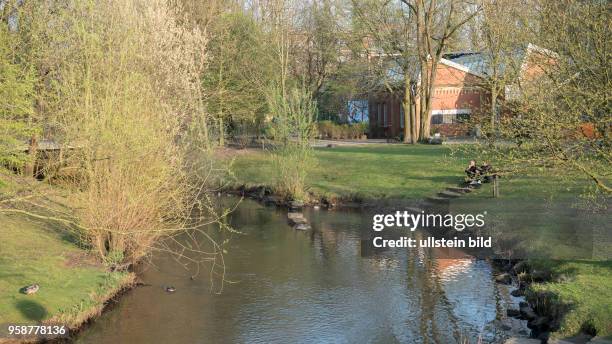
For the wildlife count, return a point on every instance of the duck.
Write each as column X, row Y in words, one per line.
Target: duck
column 30, row 289
column 170, row 289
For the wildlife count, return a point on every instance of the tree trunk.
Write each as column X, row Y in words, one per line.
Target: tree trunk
column 407, row 112
column 414, row 120
column 28, row 170
column 426, row 109
column 221, row 133
column 493, row 107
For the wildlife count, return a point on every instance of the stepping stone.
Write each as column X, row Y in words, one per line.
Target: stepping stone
column 519, row 340
column 449, row 194
column 414, row 210
column 302, row 227
column 459, row 190
column 436, row 199
column 296, row 218
column 293, row 215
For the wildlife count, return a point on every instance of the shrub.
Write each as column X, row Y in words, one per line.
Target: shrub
column 331, row 130
column 125, row 106
column 294, row 127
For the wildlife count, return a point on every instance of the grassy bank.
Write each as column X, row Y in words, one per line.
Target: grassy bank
column 546, row 215
column 586, row 292
column 73, row 285
column 365, row 172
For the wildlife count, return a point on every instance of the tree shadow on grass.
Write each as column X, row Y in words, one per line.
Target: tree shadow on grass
column 31, row 310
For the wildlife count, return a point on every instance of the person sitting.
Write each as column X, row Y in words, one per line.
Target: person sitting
column 487, row 172
column 485, row 168
column 472, row 170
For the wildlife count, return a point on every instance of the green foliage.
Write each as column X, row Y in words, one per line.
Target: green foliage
column 17, row 81
column 331, row 130
column 121, row 81
column 293, row 127
column 293, row 115
column 559, row 115
column 238, row 71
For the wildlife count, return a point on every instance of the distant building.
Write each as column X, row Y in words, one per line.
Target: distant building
column 460, row 92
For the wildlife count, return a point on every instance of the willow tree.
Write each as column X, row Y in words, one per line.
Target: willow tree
column 120, row 86
column 17, row 95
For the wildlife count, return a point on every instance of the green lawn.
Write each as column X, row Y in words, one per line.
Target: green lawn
column 71, row 285
column 368, row 172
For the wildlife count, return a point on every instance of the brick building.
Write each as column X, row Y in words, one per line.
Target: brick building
column 458, row 93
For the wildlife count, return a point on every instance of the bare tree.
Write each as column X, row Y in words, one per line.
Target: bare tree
column 387, row 29
column 436, row 24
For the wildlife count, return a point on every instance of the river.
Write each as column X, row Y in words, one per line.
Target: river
column 316, row 286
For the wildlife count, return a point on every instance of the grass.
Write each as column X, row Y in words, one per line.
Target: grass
column 73, row 287
column 587, row 293
column 365, row 172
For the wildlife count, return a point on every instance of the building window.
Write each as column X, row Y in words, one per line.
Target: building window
column 358, row 110
column 380, row 115
column 385, row 115
column 402, row 116
column 462, row 117
column 453, row 116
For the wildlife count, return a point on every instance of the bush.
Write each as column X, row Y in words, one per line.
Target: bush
column 331, row 130
column 126, row 107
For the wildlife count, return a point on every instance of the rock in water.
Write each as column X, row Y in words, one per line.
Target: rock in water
column 518, row 292
column 513, row 313
column 296, row 218
column 537, row 323
column 302, row 227
column 503, row 278
column 296, row 204
column 527, row 313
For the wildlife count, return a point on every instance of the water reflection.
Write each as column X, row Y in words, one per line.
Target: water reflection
column 318, row 286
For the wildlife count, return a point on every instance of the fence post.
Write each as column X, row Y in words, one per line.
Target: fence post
column 495, row 187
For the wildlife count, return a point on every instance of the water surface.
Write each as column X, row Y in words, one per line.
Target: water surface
column 316, row 286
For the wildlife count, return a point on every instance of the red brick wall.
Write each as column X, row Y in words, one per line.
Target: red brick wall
column 455, row 89
column 458, row 129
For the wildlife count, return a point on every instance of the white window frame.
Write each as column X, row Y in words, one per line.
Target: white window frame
column 450, row 116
